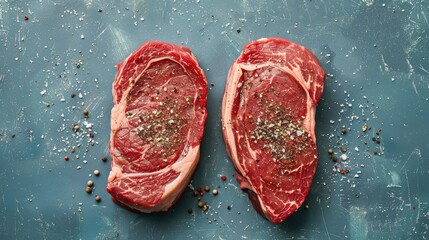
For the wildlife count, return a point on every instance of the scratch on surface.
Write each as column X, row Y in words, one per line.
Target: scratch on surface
column 3, row 30
column 386, row 67
column 423, row 69
column 119, row 40
column 101, row 33
column 225, row 224
column 231, row 42
column 410, row 67
column 417, row 152
column 2, row 80
column 308, row 12
column 94, row 104
column 418, row 210
column 415, row 88
column 408, row 188
column 324, row 221
column 424, row 16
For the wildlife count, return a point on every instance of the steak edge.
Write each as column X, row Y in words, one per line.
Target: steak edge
column 157, row 123
column 268, row 121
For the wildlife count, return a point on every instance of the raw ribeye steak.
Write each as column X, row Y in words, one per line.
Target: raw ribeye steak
column 268, row 119
column 157, row 124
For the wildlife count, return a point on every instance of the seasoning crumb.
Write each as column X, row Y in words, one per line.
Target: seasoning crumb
column 330, row 151
column 90, row 183
column 223, row 177
column 206, row 188
column 86, row 113
column 103, row 158
column 215, row 192
column 75, row 127
column 88, row 189
column 364, row 128
column 343, row 149
column 200, row 204
column 26, row 18
column 66, row 158
column 205, row 207
column 73, row 95
column 228, row 207
column 190, row 211
column 343, row 130
column 195, row 193
column 238, row 30
column 96, row 172
column 100, row 10
column 307, row 206
column 97, row 198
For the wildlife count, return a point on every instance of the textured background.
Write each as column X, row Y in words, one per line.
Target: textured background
column 376, row 55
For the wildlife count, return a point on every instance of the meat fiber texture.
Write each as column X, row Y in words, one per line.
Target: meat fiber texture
column 268, row 121
column 157, row 124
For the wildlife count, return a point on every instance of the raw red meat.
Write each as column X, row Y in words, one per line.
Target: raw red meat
column 157, row 124
column 268, row 119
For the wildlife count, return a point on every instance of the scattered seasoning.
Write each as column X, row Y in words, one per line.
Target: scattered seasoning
column 215, row 192
column 374, row 152
column 205, row 207
column 13, row 136
column 364, row 128
column 200, row 204
column 75, row 127
column 206, row 188
column 66, row 158
column 97, row 198
column 334, row 159
column 90, row 183
column 190, row 211
column 343, row 149
column 330, row 151
column 307, row 206
column 228, row 207
column 96, row 172
column 103, row 158
column 100, row 10
column 223, row 177
column 238, row 30
column 88, row 189
column 26, row 18
column 196, row 193
column 73, row 95
column 200, row 191
column 86, row 113
column 343, row 130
